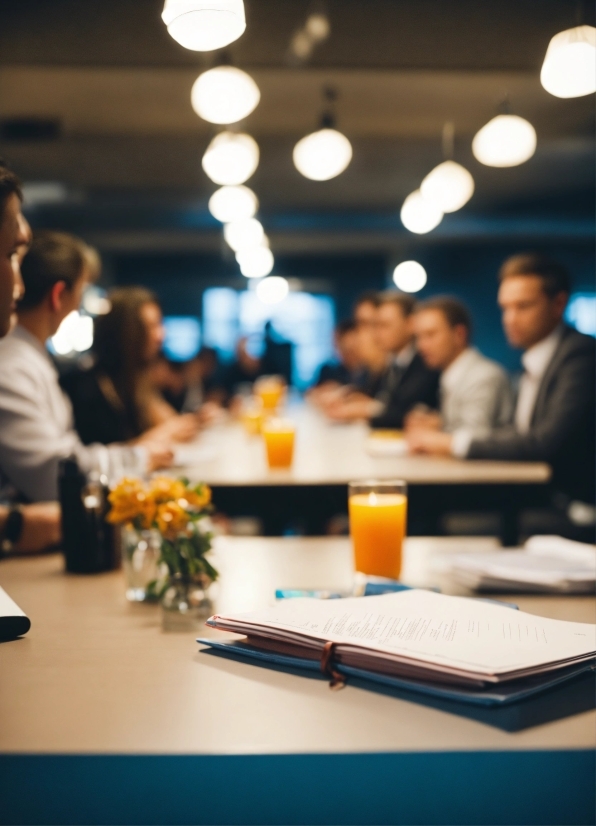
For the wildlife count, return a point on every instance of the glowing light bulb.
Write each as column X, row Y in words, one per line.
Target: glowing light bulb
column 242, row 235
column 322, row 155
column 409, row 276
column 231, row 158
column 255, row 262
column 448, row 185
column 506, row 140
column 419, row 215
column 204, row 25
column 75, row 334
column 224, row 95
column 272, row 290
column 233, row 203
column 569, row 68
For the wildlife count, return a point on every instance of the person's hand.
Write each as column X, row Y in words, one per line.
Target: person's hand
column 355, row 408
column 41, row 527
column 159, row 456
column 210, row 413
column 422, row 420
column 429, row 441
column 175, row 429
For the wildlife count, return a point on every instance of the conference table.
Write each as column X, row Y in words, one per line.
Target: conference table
column 328, row 456
column 105, row 718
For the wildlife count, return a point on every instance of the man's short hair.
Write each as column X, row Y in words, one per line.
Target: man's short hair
column 555, row 277
column 456, row 313
column 9, row 185
column 52, row 257
column 405, row 302
column 369, row 297
column 345, row 327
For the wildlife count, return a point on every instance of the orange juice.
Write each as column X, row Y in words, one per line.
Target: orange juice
column 270, row 391
column 252, row 419
column 377, row 528
column 279, row 442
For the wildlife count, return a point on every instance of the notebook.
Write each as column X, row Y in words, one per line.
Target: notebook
column 13, row 622
column 461, row 648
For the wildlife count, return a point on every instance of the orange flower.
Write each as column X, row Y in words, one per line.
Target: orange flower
column 199, row 496
column 129, row 500
column 171, row 519
column 166, row 489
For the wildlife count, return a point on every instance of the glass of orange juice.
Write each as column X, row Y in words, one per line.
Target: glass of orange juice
column 252, row 415
column 378, row 525
column 270, row 389
column 279, row 442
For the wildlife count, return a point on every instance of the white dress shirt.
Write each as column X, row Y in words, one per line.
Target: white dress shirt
column 36, row 423
column 535, row 361
column 475, row 394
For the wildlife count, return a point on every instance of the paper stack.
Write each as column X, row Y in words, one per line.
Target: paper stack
column 418, row 636
column 547, row 564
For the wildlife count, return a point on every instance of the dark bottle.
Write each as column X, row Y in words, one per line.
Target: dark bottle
column 88, row 540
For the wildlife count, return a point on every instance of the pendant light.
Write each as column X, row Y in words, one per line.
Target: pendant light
column 233, row 203
column 419, row 215
column 449, row 184
column 272, row 290
column 241, row 235
column 506, row 140
column 569, row 68
column 204, row 25
column 255, row 262
column 409, row 276
column 231, row 158
column 224, row 95
column 324, row 154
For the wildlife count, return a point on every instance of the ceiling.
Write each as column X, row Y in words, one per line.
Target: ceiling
column 128, row 145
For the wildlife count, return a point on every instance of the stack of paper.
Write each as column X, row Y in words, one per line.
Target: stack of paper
column 13, row 622
column 546, row 563
column 418, row 636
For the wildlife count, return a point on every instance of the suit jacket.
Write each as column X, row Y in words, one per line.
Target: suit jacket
column 563, row 424
column 402, row 389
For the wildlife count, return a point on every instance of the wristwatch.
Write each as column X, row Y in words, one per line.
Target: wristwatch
column 13, row 528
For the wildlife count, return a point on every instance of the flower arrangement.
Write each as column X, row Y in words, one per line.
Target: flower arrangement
column 175, row 508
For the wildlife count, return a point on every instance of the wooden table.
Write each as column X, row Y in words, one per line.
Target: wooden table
column 328, row 456
column 173, row 735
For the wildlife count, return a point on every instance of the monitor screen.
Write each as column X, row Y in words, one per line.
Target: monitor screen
column 183, row 337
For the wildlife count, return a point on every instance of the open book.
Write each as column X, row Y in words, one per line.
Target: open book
column 13, row 622
column 418, row 635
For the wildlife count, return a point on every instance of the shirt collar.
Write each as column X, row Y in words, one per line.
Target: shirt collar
column 404, row 358
column 452, row 375
column 24, row 335
column 537, row 358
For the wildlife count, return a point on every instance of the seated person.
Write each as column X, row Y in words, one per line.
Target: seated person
column 35, row 417
column 188, row 386
column 475, row 394
column 341, row 371
column 554, row 419
column 116, row 401
column 405, row 382
column 37, row 526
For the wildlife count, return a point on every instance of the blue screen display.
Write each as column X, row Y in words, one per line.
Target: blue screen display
column 581, row 313
column 183, row 337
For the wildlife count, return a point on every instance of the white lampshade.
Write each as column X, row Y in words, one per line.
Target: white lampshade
column 506, row 140
column 569, row 68
column 419, row 215
column 322, row 155
column 233, row 203
column 409, row 276
column 255, row 262
column 242, row 235
column 272, row 290
column 224, row 95
column 231, row 158
column 448, row 185
column 204, row 25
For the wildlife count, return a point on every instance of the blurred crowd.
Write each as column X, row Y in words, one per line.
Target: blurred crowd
column 400, row 365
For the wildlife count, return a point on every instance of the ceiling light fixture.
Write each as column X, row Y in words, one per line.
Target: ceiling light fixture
column 255, row 262
column 409, row 276
column 272, row 290
column 204, row 25
column 419, row 215
column 569, row 68
column 224, row 94
column 324, row 154
column 242, row 235
column 231, row 158
column 233, row 203
column 506, row 140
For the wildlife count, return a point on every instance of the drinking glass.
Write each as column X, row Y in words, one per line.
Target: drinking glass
column 279, row 442
column 378, row 512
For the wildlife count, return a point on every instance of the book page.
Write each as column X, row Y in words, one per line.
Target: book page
column 457, row 632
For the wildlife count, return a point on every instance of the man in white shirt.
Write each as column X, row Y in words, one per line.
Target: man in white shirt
column 474, row 391
column 555, row 415
column 36, row 429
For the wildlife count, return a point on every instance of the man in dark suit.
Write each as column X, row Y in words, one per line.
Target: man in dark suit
column 555, row 416
column 406, row 381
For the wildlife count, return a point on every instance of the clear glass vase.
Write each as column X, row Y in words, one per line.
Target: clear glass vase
column 140, row 552
column 185, row 604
